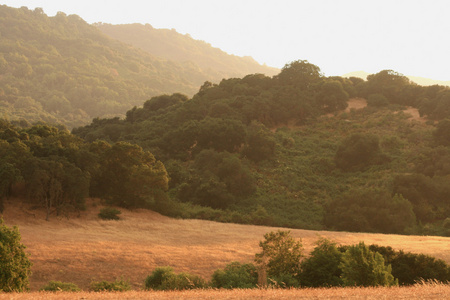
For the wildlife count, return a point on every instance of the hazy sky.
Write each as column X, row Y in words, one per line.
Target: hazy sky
column 340, row 36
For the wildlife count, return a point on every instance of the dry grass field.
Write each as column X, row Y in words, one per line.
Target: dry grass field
column 82, row 249
column 432, row 291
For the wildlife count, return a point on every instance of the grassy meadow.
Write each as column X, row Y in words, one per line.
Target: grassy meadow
column 82, row 249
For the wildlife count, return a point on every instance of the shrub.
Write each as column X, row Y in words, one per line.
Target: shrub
column 109, row 213
column 58, row 286
column 235, row 275
column 115, row 286
column 14, row 263
column 362, row 267
column 359, row 151
column 377, row 100
column 164, row 278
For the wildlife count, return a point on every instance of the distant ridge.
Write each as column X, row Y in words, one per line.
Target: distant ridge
column 168, row 44
column 419, row 80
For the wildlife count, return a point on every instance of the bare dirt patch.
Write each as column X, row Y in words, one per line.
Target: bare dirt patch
column 356, row 103
column 86, row 249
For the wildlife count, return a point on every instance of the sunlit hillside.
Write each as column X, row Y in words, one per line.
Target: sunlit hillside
column 214, row 63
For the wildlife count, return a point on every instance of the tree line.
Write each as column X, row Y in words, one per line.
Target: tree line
column 56, row 170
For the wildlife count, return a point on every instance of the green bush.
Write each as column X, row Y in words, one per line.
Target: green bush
column 164, row 279
column 115, row 286
column 109, row 213
column 235, row 275
column 359, row 151
column 58, row 286
column 377, row 100
column 14, row 263
column 362, row 267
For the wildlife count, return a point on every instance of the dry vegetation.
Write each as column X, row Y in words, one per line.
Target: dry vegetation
column 419, row 291
column 85, row 249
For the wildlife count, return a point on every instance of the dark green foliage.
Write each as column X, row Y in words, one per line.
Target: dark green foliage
column 442, row 132
column 322, row 267
column 218, row 180
column 129, row 176
column 429, row 196
column 164, row 278
column 58, row 286
column 410, row 268
column 110, row 286
column 14, row 263
column 370, row 210
column 332, row 96
column 109, row 213
column 362, row 267
column 391, row 85
column 433, row 161
column 280, row 257
column 300, row 73
column 260, row 143
column 377, row 100
column 235, row 275
column 359, row 151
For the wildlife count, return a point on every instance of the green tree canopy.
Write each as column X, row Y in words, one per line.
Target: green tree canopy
column 362, row 267
column 14, row 263
column 280, row 256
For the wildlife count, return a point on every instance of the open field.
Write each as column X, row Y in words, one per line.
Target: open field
column 85, row 249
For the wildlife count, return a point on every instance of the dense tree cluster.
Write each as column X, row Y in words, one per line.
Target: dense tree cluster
column 57, row 170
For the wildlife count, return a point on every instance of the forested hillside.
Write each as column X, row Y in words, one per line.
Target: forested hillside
column 212, row 62
column 282, row 151
column 62, row 70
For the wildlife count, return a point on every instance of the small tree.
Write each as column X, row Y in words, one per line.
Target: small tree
column 362, row 267
column 14, row 263
column 280, row 257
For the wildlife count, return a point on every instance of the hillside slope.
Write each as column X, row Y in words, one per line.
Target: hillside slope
column 84, row 248
column 62, row 70
column 214, row 63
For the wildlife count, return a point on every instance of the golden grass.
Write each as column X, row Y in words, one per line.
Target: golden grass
column 85, row 249
column 420, row 291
